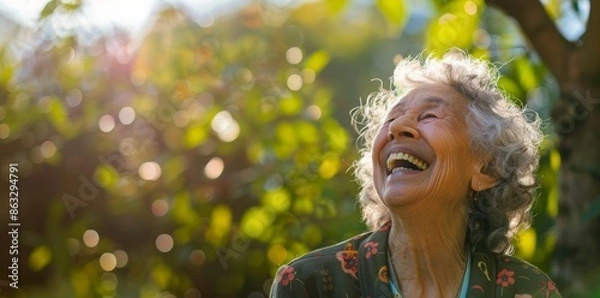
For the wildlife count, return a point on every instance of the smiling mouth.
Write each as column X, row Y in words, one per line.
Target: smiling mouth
column 405, row 161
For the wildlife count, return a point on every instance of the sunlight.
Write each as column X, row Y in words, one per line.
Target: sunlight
column 131, row 14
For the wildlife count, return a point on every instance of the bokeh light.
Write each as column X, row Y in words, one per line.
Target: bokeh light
column 109, row 281
column 121, row 257
column 277, row 254
column 126, row 115
column 160, row 207
column 44, row 104
column 164, row 242
column 48, row 149
column 108, row 262
column 225, row 126
column 150, row 171
column 134, row 133
column 205, row 20
column 308, row 75
column 74, row 98
column 36, row 154
column 314, row 112
column 481, row 39
column 91, row 238
column 293, row 55
column 73, row 246
column 197, row 257
column 214, row 168
column 470, row 7
column 294, row 82
column 181, row 119
column 4, row 131
column 128, row 146
column 106, row 123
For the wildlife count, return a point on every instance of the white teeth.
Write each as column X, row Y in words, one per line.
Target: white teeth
column 421, row 164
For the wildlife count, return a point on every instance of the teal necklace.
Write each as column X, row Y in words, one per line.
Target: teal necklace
column 463, row 289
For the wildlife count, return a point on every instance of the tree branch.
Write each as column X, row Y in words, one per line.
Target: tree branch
column 590, row 63
column 541, row 31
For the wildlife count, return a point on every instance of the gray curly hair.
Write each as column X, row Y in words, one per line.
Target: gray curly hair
column 499, row 129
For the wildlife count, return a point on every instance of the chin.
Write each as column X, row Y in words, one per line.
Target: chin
column 394, row 201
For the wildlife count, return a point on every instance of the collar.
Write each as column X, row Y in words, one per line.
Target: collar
column 374, row 276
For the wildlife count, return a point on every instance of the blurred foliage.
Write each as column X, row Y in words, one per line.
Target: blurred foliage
column 196, row 159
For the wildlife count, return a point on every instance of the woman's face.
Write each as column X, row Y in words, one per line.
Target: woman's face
column 421, row 153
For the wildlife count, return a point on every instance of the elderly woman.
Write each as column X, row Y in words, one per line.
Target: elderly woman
column 447, row 180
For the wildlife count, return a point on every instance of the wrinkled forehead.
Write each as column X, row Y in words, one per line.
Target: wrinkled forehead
column 430, row 95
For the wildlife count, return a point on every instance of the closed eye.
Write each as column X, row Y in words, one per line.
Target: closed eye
column 427, row 116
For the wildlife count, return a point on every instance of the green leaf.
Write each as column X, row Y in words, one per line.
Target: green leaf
column 221, row 218
column 48, row 9
column 57, row 112
column 182, row 210
column 290, row 105
column 393, row 10
column 40, row 257
column 526, row 244
column 279, row 199
column 454, row 26
column 336, row 6
column 256, row 220
column 195, row 134
column 329, row 167
column 555, row 160
column 552, row 204
column 509, row 86
column 106, row 176
column 318, row 60
column 6, row 72
column 526, row 74
column 553, row 8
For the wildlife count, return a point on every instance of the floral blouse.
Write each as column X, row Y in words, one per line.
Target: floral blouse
column 358, row 268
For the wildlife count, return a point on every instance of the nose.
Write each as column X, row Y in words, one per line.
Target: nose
column 403, row 127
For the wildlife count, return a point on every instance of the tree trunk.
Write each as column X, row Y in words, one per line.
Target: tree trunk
column 576, row 115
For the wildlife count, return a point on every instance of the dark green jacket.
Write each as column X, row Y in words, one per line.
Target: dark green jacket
column 358, row 268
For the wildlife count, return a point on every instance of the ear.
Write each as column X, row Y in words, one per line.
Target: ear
column 481, row 181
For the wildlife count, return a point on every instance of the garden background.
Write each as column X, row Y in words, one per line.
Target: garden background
column 192, row 153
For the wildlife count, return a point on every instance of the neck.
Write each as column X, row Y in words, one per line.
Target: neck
column 428, row 253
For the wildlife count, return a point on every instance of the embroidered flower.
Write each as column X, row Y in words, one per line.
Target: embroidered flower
column 286, row 275
column 547, row 287
column 327, row 279
column 383, row 274
column 371, row 248
column 505, row 278
column 551, row 285
column 348, row 259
